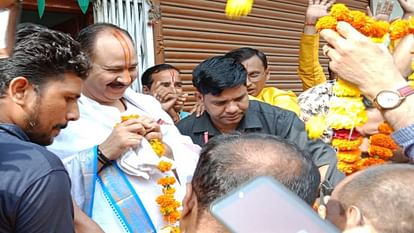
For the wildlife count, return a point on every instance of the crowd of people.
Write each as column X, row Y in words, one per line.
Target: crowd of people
column 83, row 152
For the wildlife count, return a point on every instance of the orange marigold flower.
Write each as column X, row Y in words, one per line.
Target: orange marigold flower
column 172, row 217
column 380, row 29
column 399, row 28
column 164, row 166
column 344, row 144
column 165, row 200
column 358, row 19
column 340, row 12
column 383, row 140
column 168, row 190
column 380, row 152
column 326, row 22
column 349, row 156
column 385, row 128
column 347, row 168
column 368, row 27
column 165, row 181
column 366, row 162
column 411, row 25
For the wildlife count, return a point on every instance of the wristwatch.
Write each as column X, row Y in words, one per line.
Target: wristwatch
column 390, row 99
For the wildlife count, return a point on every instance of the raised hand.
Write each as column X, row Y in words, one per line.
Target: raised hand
column 317, row 9
column 382, row 10
column 408, row 7
column 165, row 95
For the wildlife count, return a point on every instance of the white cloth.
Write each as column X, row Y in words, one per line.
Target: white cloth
column 94, row 126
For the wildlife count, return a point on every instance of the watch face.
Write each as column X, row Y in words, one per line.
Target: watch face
column 388, row 99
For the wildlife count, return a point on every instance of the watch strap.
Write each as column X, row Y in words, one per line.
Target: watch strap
column 406, row 91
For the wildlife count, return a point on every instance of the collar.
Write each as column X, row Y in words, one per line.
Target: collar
column 249, row 121
column 15, row 131
column 204, row 124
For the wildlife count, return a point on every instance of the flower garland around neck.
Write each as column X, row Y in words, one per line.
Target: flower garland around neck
column 346, row 109
column 166, row 201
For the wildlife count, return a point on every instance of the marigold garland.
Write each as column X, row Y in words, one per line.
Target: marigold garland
column 166, row 201
column 345, row 144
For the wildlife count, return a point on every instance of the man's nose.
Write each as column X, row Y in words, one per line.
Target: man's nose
column 232, row 107
column 73, row 113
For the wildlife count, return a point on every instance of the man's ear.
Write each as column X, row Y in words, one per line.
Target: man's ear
column 267, row 73
column 189, row 213
column 354, row 217
column 199, row 96
column 19, row 90
column 146, row 90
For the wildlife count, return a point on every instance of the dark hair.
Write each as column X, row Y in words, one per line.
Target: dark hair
column 87, row 36
column 27, row 29
column 146, row 78
column 218, row 73
column 242, row 54
column 384, row 195
column 229, row 160
column 43, row 56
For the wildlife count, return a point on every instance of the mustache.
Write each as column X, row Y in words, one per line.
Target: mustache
column 60, row 126
column 117, row 84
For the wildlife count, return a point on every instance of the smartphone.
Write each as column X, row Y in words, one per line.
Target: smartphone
column 264, row 205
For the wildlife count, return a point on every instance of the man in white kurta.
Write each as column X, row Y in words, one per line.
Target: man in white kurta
column 120, row 195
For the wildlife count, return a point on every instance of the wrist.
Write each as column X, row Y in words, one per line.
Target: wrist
column 405, row 109
column 102, row 158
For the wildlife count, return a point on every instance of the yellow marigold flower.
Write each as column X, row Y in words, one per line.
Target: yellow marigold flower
column 315, row 126
column 340, row 12
column 383, row 140
column 165, row 181
column 379, row 151
column 349, row 156
column 344, row 144
column 172, row 217
column 157, row 146
column 326, row 22
column 343, row 88
column 164, row 166
column 127, row 117
column 347, row 168
column 237, row 8
column 170, row 229
column 398, row 29
column 411, row 83
column 411, row 25
column 358, row 19
column 346, row 113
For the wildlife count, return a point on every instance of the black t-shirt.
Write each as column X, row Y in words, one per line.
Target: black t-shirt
column 34, row 187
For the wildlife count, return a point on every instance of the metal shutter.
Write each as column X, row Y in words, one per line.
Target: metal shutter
column 193, row 30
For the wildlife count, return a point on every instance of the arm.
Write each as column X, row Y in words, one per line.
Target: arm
column 46, row 205
column 310, row 70
column 84, row 224
column 371, row 68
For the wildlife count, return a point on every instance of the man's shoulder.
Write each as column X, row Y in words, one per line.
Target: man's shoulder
column 27, row 159
column 186, row 123
column 266, row 108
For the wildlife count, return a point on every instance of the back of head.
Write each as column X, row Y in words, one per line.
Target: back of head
column 43, row 55
column 384, row 194
column 146, row 78
column 242, row 54
column 229, row 160
column 215, row 74
column 87, row 36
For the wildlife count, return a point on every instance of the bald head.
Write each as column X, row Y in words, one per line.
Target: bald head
column 383, row 194
column 228, row 161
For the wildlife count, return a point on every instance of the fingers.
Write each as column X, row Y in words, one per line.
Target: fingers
column 332, row 37
column 348, row 32
column 330, row 3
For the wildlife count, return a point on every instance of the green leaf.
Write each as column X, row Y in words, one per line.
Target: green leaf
column 83, row 4
column 41, row 4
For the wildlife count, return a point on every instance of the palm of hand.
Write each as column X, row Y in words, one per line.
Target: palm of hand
column 314, row 12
